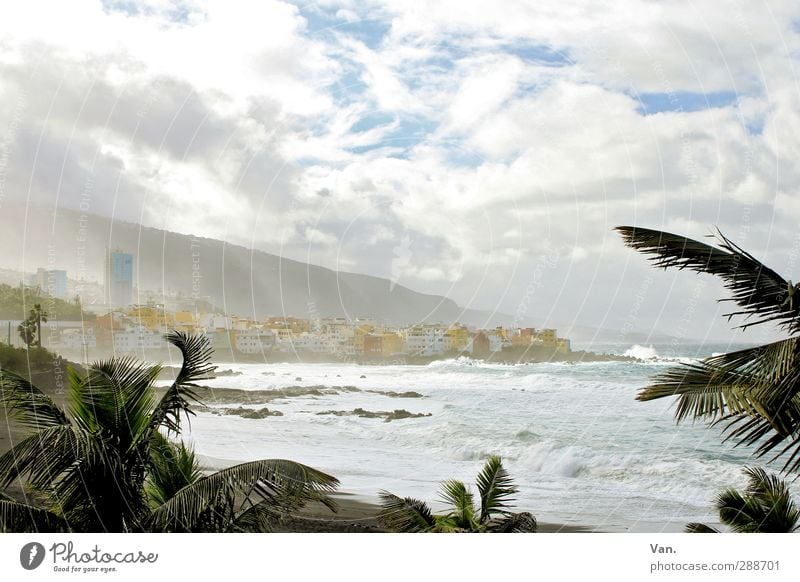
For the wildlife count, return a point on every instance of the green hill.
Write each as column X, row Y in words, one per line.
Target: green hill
column 16, row 303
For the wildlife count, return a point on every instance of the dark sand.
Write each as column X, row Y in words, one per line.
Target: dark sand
column 357, row 514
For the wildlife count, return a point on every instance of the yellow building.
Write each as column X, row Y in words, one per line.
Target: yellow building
column 358, row 336
column 393, row 343
column 153, row 317
column 185, row 321
column 502, row 332
column 547, row 337
column 458, row 337
column 292, row 325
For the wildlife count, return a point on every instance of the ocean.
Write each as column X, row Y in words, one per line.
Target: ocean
column 579, row 446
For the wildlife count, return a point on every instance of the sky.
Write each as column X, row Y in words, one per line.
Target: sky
column 482, row 151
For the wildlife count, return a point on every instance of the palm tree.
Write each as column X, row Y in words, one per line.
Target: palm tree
column 495, row 488
column 766, row 506
column 106, row 463
column 38, row 315
column 755, row 392
column 27, row 332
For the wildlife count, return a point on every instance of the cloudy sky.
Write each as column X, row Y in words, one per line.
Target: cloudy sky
column 478, row 150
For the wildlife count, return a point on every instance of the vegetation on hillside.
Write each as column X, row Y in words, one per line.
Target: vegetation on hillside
column 25, row 362
column 16, row 303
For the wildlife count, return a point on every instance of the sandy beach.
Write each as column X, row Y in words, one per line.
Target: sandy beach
column 355, row 513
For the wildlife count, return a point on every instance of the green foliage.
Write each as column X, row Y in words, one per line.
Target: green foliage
column 765, row 506
column 26, row 362
column 16, row 303
column 495, row 490
column 106, row 465
column 27, row 332
column 754, row 392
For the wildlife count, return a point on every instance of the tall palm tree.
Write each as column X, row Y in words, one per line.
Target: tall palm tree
column 106, row 463
column 765, row 506
column 495, row 488
column 754, row 392
column 37, row 316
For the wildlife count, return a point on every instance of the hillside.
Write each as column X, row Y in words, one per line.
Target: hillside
column 16, row 302
column 239, row 280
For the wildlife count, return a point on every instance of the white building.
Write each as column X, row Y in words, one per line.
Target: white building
column 137, row 338
column 255, row 341
column 313, row 342
column 496, row 342
column 425, row 340
column 77, row 339
column 212, row 321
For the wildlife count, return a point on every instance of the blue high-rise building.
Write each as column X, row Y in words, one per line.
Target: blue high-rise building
column 119, row 279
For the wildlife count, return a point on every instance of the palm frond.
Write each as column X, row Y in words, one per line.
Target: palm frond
column 754, row 391
column 22, row 518
column 461, row 499
column 42, row 457
column 495, row 487
column 286, row 485
column 695, row 527
column 258, row 518
column 115, row 397
column 522, row 522
column 28, row 405
column 741, row 513
column 753, row 380
column 172, row 467
column 196, row 351
column 404, row 514
column 776, row 513
column 760, row 292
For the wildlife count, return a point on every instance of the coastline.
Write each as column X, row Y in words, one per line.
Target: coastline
column 356, row 513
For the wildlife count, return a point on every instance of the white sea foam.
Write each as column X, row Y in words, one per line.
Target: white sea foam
column 642, row 352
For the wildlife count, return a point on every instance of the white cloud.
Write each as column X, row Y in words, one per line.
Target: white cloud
column 485, row 136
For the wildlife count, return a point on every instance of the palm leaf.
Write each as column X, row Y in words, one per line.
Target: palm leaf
column 22, row 518
column 287, row 485
column 760, row 292
column 461, row 499
column 741, row 513
column 42, row 457
column 695, row 527
column 28, row 405
column 752, row 379
column 778, row 511
column 115, row 397
column 754, row 391
column 260, row 517
column 496, row 488
column 196, row 351
column 522, row 522
column 404, row 514
column 172, row 467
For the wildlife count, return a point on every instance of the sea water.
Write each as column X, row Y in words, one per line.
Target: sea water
column 579, row 446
